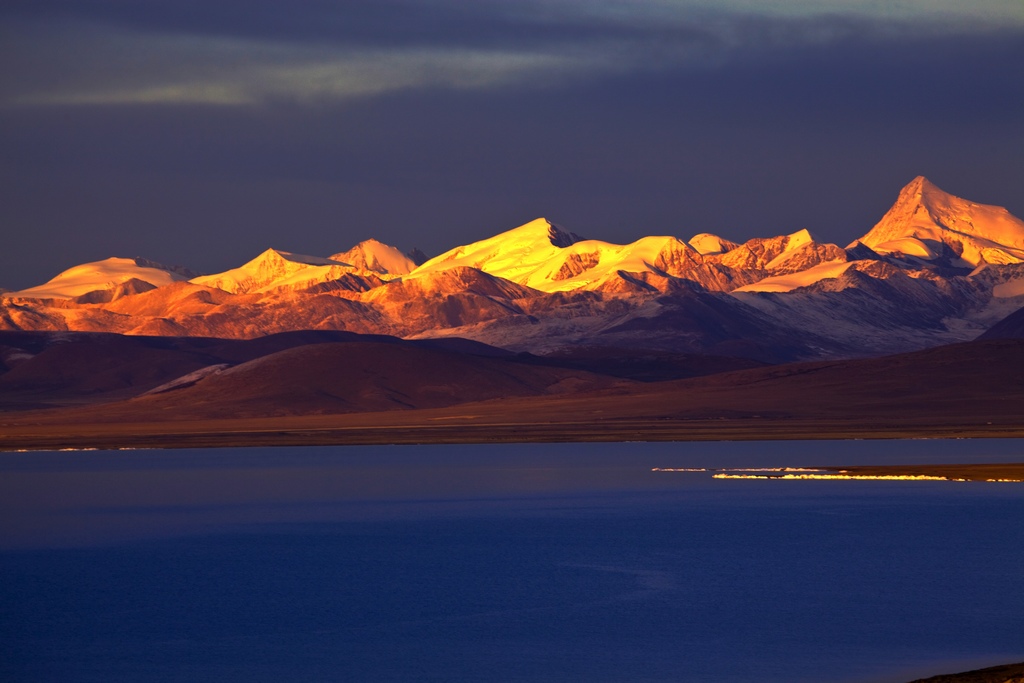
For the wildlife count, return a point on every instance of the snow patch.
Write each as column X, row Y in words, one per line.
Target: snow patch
column 910, row 246
column 1008, row 290
column 787, row 283
column 17, row 356
column 705, row 243
column 798, row 239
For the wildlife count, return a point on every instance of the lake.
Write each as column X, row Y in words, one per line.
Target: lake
column 560, row 562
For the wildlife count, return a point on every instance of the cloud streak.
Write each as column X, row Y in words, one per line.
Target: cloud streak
column 395, row 23
column 118, row 53
column 305, row 79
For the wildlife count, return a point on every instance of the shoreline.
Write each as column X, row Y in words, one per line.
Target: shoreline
column 971, row 472
column 979, row 472
column 395, row 428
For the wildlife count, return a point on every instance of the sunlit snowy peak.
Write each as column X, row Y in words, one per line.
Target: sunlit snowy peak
column 275, row 269
column 927, row 223
column 377, row 257
column 102, row 276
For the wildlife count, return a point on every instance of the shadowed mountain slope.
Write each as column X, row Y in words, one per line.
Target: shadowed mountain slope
column 975, row 383
column 974, row 388
column 39, row 369
column 1010, row 327
column 51, row 369
column 337, row 377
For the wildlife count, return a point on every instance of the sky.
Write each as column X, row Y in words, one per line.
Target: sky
column 200, row 133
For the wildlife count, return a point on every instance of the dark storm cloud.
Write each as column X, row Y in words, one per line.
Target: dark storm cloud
column 394, row 23
column 746, row 125
column 232, row 53
column 373, row 23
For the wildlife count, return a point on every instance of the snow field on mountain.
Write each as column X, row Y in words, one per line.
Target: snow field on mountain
column 787, row 283
column 89, row 277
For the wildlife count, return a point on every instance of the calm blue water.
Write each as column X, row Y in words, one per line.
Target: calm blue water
column 504, row 563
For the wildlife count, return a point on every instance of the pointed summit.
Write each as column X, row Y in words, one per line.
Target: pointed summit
column 378, row 257
column 539, row 230
column 922, row 192
column 927, row 223
column 271, row 268
column 919, row 186
column 798, row 239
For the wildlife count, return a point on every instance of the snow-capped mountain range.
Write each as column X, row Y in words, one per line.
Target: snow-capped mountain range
column 935, row 269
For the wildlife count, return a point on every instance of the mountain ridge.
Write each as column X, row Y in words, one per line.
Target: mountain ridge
column 935, row 269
